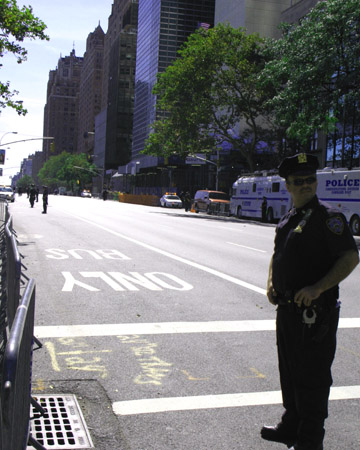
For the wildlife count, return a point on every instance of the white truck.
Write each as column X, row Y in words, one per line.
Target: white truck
column 338, row 187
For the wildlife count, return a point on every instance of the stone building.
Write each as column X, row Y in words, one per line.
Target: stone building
column 61, row 111
column 90, row 92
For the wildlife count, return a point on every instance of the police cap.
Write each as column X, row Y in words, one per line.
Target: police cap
column 299, row 164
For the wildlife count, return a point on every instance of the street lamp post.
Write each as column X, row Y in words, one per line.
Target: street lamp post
column 211, row 162
column 101, row 172
column 43, row 138
column 8, row 132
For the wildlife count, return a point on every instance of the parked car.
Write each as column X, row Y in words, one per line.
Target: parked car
column 171, row 201
column 62, row 190
column 86, row 193
column 7, row 193
column 212, row 202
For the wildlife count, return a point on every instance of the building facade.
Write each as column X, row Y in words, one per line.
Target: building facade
column 90, row 89
column 61, row 111
column 297, row 9
column 114, row 123
column 256, row 16
column 163, row 26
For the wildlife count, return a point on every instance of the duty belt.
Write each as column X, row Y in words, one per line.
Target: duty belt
column 285, row 299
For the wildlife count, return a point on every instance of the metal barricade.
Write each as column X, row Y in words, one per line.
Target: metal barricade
column 16, row 380
column 13, row 273
column 3, row 278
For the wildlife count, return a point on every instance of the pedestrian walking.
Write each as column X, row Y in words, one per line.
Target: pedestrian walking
column 45, row 199
column 314, row 251
column 105, row 194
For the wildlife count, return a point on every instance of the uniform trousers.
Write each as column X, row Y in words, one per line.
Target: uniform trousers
column 305, row 358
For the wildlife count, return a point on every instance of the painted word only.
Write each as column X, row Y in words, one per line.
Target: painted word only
column 153, row 281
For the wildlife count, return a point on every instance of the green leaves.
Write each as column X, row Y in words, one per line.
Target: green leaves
column 231, row 86
column 207, row 91
column 314, row 65
column 16, row 25
column 66, row 169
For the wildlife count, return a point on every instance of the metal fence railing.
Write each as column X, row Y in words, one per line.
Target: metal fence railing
column 17, row 310
column 16, row 380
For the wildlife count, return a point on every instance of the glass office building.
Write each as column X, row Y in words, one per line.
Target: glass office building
column 163, row 26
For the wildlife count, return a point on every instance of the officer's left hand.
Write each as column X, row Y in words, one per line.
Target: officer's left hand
column 306, row 295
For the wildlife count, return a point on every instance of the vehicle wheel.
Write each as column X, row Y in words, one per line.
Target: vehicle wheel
column 239, row 213
column 270, row 215
column 355, row 225
column 208, row 210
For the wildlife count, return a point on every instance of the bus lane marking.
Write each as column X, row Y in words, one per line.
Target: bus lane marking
column 58, row 253
column 175, row 257
column 154, row 281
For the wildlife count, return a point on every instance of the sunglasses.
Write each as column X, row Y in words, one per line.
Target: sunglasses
column 302, row 181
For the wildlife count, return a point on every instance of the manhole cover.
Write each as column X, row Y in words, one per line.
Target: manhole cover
column 63, row 425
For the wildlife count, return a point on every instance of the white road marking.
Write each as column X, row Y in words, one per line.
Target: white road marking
column 250, row 248
column 157, row 405
column 59, row 331
column 29, row 236
column 176, row 258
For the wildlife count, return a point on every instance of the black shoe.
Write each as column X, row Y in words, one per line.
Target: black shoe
column 278, row 434
column 307, row 447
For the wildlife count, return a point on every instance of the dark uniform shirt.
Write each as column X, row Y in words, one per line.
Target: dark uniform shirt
column 307, row 243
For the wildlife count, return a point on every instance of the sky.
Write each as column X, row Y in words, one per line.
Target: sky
column 68, row 24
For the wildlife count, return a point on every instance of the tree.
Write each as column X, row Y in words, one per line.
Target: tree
column 315, row 70
column 210, row 95
column 16, row 25
column 25, row 182
column 64, row 169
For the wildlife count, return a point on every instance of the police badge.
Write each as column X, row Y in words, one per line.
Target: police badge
column 335, row 225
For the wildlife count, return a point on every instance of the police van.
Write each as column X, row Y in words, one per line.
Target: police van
column 338, row 187
column 249, row 192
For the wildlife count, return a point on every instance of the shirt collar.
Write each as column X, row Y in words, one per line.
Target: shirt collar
column 311, row 204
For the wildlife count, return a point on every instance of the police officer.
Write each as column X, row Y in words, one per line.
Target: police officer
column 45, row 199
column 314, row 251
column 32, row 195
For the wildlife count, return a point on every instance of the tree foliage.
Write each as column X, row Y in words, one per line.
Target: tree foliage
column 16, row 25
column 315, row 69
column 207, row 92
column 24, row 182
column 67, row 170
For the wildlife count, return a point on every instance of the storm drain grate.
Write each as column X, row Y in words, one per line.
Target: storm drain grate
column 63, row 425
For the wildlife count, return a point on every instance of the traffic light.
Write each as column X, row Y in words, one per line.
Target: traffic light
column 2, row 156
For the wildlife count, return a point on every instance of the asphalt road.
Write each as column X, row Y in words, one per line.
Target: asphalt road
column 157, row 321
